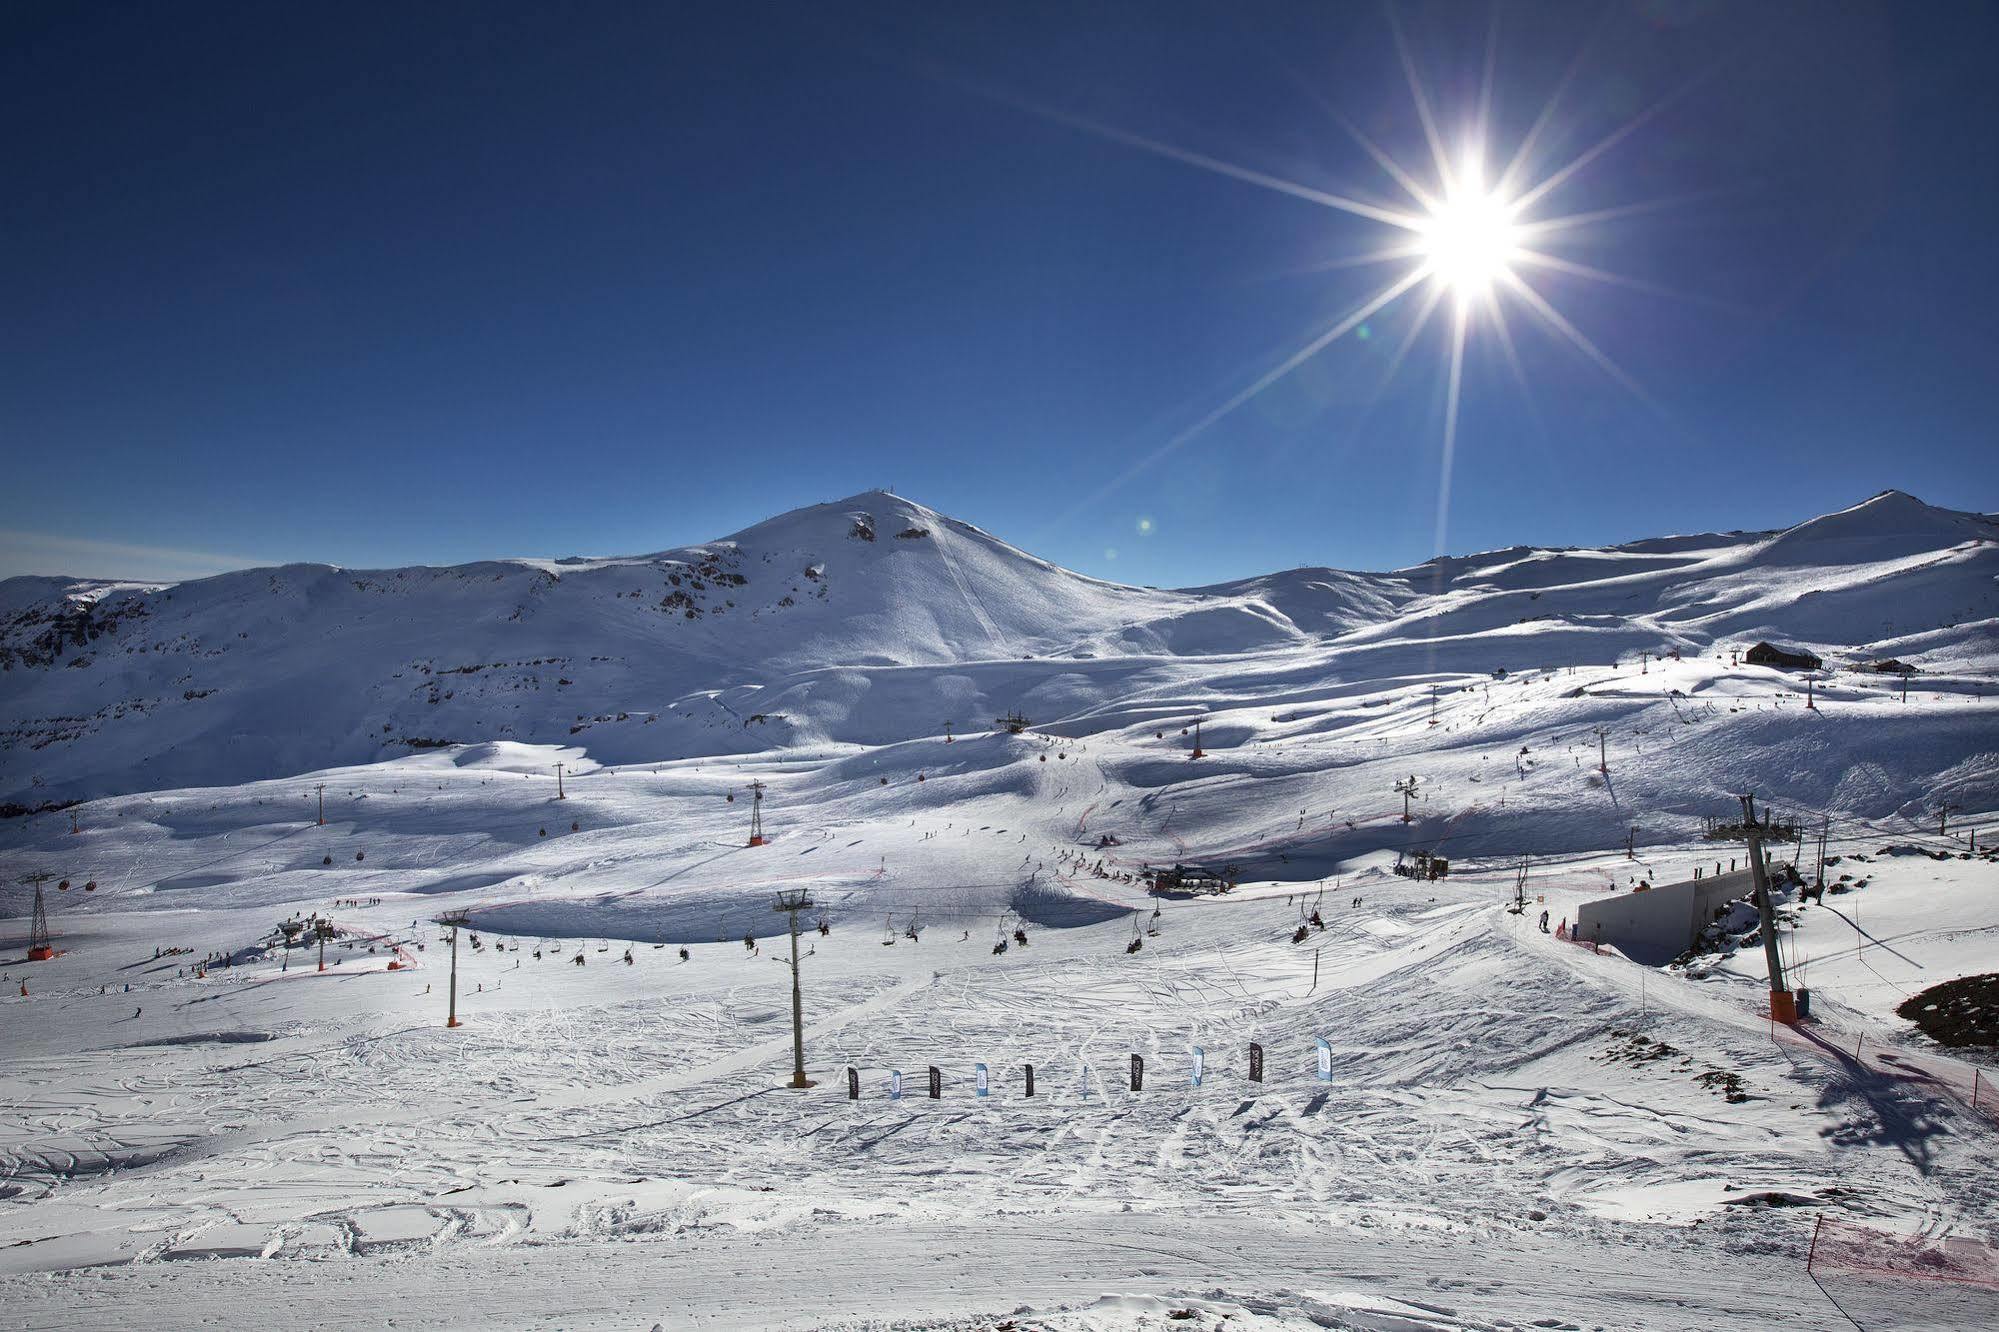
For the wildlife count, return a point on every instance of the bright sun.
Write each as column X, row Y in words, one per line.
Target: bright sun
column 1469, row 241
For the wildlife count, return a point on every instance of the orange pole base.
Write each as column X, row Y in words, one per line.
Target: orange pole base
column 1784, row 1007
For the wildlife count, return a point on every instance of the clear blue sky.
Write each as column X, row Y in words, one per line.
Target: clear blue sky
column 389, row 284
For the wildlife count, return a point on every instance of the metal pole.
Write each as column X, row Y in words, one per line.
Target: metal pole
column 1769, row 914
column 1820, row 878
column 451, row 1014
column 797, row 1011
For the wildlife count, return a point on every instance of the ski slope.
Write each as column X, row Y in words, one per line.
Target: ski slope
column 1517, row 1132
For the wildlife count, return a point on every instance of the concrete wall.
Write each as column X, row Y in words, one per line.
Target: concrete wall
column 1657, row 925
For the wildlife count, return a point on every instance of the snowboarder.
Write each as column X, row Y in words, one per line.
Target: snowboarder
column 1544, row 922
column 138, row 1010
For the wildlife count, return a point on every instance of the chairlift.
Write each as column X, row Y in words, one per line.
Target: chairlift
column 824, row 928
column 1137, row 939
column 888, row 931
column 909, row 931
column 1020, row 936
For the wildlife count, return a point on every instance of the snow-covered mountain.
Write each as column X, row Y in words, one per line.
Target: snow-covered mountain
column 1594, row 1143
column 875, row 620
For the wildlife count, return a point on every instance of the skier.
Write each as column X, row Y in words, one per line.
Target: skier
column 1544, row 922
column 138, row 1010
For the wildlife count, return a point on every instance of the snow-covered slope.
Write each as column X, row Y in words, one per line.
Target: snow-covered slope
column 1514, row 1132
column 874, row 620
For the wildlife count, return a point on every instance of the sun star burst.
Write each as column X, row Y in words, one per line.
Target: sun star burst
column 1469, row 242
column 1460, row 238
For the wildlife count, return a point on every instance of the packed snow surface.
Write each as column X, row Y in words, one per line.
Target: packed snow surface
column 1515, row 1131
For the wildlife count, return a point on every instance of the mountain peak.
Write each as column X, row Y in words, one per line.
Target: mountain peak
column 1886, row 526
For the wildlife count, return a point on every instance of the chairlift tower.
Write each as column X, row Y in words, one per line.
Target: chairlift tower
column 559, row 794
column 321, row 790
column 41, row 947
column 1013, row 723
column 454, row 921
column 1406, row 790
column 1198, row 751
column 756, row 813
column 1754, row 832
column 790, row 903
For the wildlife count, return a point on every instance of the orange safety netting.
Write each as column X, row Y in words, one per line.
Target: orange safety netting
column 1842, row 1247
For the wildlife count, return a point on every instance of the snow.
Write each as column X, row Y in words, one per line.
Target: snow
column 1518, row 1131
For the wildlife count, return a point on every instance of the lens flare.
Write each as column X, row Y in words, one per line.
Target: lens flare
column 1460, row 238
column 1469, row 242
